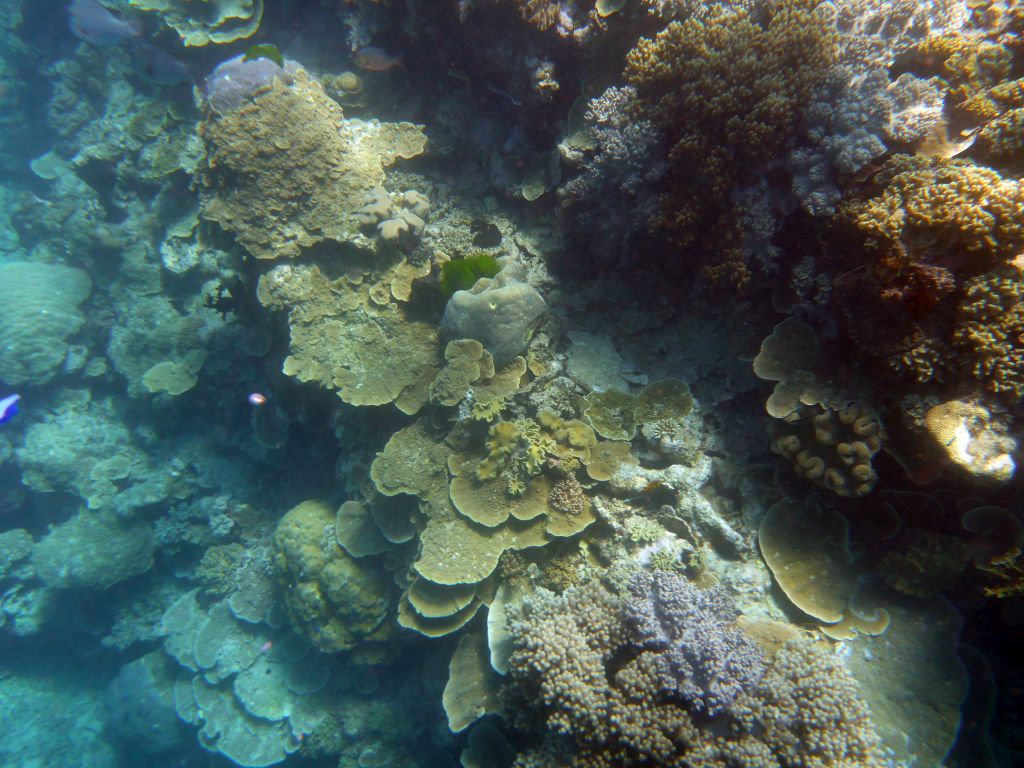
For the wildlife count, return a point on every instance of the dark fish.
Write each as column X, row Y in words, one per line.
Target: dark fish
column 159, row 66
column 98, row 25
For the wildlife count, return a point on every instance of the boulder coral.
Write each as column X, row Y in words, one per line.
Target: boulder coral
column 41, row 310
column 338, row 603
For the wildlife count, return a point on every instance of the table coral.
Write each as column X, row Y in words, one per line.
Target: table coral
column 291, row 155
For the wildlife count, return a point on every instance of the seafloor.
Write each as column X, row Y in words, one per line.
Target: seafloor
column 494, row 383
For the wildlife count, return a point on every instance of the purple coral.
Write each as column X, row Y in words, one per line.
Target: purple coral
column 237, row 80
column 703, row 659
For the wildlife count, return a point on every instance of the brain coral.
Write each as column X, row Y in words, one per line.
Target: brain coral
column 40, row 310
column 290, row 155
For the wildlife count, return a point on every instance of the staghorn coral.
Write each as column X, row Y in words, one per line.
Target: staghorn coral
column 725, row 88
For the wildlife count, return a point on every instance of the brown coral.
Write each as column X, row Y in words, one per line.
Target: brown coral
column 725, row 88
column 292, row 157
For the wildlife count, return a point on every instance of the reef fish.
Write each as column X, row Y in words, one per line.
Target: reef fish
column 98, row 25
column 159, row 66
column 374, row 59
column 9, row 408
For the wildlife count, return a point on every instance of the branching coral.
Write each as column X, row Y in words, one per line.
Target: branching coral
column 726, row 89
column 990, row 331
column 604, row 684
column 927, row 227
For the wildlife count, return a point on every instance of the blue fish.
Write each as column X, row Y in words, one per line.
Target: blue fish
column 98, row 25
column 9, row 408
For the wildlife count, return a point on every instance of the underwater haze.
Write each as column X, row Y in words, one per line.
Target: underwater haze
column 511, row 383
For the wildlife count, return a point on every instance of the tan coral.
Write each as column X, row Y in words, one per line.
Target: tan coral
column 345, row 342
column 207, row 22
column 337, row 603
column 292, row 156
column 832, row 448
column 459, row 552
column 466, row 361
column 971, row 439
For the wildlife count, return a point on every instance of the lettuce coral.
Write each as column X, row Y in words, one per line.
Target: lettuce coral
column 205, row 22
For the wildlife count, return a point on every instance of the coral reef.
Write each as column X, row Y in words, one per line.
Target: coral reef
column 41, row 310
column 724, row 79
column 340, row 604
column 567, row 661
column 206, row 23
column 291, row 154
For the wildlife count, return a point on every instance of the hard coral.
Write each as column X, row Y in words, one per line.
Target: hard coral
column 990, row 331
column 927, row 227
column 606, row 681
column 725, row 88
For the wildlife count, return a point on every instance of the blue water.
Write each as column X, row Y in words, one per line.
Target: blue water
column 493, row 383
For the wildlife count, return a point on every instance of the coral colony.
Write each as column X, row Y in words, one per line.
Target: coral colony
column 511, row 383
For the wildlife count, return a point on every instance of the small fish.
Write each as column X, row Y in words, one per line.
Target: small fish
column 374, row 59
column 257, row 398
column 265, row 648
column 98, row 25
column 9, row 408
column 503, row 93
column 159, row 66
column 264, row 51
